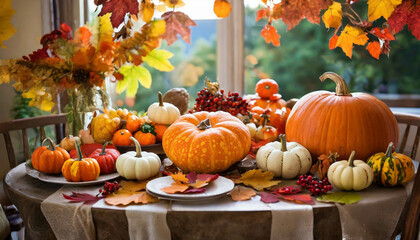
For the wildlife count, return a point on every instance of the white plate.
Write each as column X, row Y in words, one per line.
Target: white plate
column 218, row 188
column 59, row 179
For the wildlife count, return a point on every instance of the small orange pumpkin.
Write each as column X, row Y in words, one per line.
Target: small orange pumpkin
column 265, row 132
column 160, row 130
column 122, row 138
column 145, row 138
column 133, row 123
column 266, row 88
column 49, row 159
column 80, row 169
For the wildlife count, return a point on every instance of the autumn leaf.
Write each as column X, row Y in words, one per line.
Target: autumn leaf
column 299, row 198
column 240, row 193
column 194, row 190
column 173, row 3
column 133, row 186
column 323, row 164
column 179, row 177
column 268, row 197
column 158, row 58
column 123, row 197
column 264, row 1
column 349, row 36
column 408, row 13
column 132, row 76
column 207, row 177
column 332, row 17
column 333, row 42
column 340, row 197
column 118, row 10
column 198, row 184
column 288, row 190
column 176, row 187
column 383, row 33
column 374, row 49
column 86, row 198
column 258, row 179
column 381, row 8
column 6, row 28
column 177, row 23
column 147, row 10
column 262, row 13
column 293, row 11
column 269, row 33
column 222, row 8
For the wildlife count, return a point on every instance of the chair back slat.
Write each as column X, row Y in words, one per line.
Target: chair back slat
column 25, row 141
column 10, row 151
column 416, row 144
column 42, row 133
column 59, row 133
column 404, row 139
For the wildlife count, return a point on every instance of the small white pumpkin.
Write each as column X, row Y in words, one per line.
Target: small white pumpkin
column 350, row 175
column 251, row 127
column 287, row 160
column 138, row 165
column 163, row 112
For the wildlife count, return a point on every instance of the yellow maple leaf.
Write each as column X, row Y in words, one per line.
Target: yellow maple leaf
column 258, row 179
column 4, row 74
column 349, row 36
column 158, row 28
column 106, row 30
column 332, row 17
column 123, row 197
column 179, row 177
column 381, row 8
column 6, row 28
column 133, row 186
column 147, row 10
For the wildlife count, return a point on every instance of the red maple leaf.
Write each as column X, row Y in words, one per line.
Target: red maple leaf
column 262, row 13
column 177, row 23
column 118, row 9
column 269, row 33
column 408, row 12
column 293, row 11
column 383, row 34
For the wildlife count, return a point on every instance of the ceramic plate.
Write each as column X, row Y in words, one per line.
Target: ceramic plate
column 59, row 179
column 218, row 188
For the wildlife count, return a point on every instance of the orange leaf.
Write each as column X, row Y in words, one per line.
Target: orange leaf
column 349, row 36
column 333, row 42
column 133, row 186
column 122, row 197
column 179, row 177
column 258, row 179
column 241, row 193
column 222, row 8
column 374, row 49
column 83, row 35
column 269, row 33
column 147, row 10
column 199, row 184
column 176, row 187
column 299, row 198
column 262, row 13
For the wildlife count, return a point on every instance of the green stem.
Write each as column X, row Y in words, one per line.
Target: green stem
column 138, row 147
column 103, row 149
column 283, row 142
column 341, row 88
column 389, row 150
column 74, row 114
column 351, row 159
column 78, row 151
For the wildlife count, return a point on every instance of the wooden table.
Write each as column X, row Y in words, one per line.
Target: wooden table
column 28, row 193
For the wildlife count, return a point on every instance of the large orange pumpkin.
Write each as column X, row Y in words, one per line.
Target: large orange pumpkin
column 49, row 159
column 340, row 122
column 206, row 142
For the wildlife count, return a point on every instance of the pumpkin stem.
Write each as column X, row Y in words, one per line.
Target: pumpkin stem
column 246, row 121
column 103, row 149
column 341, row 88
column 160, row 99
column 265, row 119
column 205, row 124
column 51, row 144
column 351, row 159
column 283, row 142
column 78, row 151
column 389, row 150
column 138, row 147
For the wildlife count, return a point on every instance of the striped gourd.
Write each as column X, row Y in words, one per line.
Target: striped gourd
column 391, row 169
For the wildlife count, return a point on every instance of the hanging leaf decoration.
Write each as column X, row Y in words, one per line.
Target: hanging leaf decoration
column 222, row 8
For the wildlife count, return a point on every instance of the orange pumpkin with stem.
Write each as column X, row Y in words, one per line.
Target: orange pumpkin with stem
column 265, row 88
column 80, row 169
column 122, row 137
column 265, row 132
column 206, row 142
column 145, row 138
column 49, row 159
column 133, row 123
column 341, row 121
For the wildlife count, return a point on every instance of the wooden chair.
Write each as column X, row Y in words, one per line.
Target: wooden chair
column 409, row 220
column 59, row 121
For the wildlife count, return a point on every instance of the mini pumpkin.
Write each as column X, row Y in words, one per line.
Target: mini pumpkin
column 251, row 127
column 350, row 174
column 265, row 88
column 138, row 165
column 122, row 137
column 265, row 132
column 391, row 169
column 145, row 138
column 106, row 158
column 80, row 169
column 102, row 127
column 160, row 130
column 68, row 142
column 162, row 112
column 285, row 159
column 49, row 159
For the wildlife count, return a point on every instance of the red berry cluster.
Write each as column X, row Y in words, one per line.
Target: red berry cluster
column 315, row 186
column 109, row 188
column 233, row 103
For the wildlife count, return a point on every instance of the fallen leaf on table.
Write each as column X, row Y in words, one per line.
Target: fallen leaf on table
column 323, row 164
column 86, row 198
column 191, row 177
column 288, row 190
column 179, row 177
column 340, row 197
column 207, row 177
column 258, row 179
column 241, row 193
column 299, row 198
column 133, row 186
column 122, row 197
column 268, row 197
column 199, row 184
column 176, row 187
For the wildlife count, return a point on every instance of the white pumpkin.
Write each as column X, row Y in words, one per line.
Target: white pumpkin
column 251, row 127
column 350, row 175
column 163, row 112
column 138, row 165
column 287, row 160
